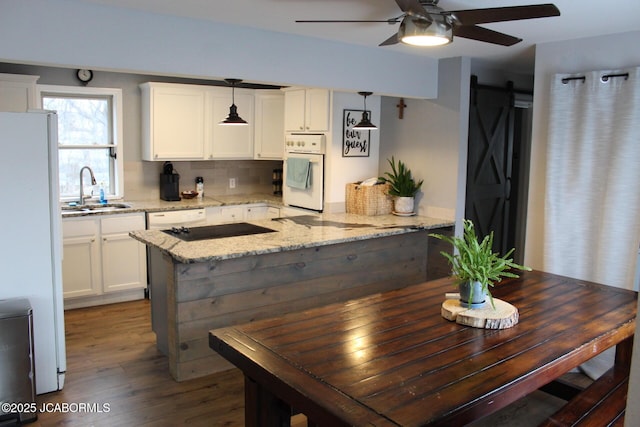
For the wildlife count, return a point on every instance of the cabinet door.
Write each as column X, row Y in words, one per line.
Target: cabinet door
column 231, row 142
column 123, row 263
column 232, row 213
column 317, row 110
column 273, row 212
column 294, row 106
column 17, row 92
column 214, row 215
column 81, row 267
column 81, row 258
column 269, row 129
column 177, row 116
column 257, row 212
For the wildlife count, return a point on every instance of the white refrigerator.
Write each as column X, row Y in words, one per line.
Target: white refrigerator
column 31, row 242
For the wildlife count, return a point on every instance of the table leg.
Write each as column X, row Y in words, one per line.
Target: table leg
column 623, row 352
column 262, row 408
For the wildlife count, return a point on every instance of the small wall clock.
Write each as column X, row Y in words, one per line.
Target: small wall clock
column 85, row 76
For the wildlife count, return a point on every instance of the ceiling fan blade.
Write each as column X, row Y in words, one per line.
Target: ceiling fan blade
column 391, row 40
column 484, row 35
column 499, row 14
column 414, row 8
column 329, row 21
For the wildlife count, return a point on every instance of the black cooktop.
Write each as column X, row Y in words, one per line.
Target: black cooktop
column 216, row 231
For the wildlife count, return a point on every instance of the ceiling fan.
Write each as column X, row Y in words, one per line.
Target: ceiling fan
column 423, row 23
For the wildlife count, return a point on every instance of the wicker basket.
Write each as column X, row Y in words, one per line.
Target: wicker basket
column 368, row 200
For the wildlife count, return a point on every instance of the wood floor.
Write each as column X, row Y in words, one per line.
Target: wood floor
column 112, row 360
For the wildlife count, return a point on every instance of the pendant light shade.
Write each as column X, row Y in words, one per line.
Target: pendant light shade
column 419, row 32
column 365, row 122
column 233, row 119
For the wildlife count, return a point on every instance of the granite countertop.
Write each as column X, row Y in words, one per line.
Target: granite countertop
column 159, row 205
column 295, row 232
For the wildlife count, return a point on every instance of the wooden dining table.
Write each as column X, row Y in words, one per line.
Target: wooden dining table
column 391, row 359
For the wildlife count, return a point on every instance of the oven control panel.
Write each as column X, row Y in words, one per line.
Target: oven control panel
column 304, row 143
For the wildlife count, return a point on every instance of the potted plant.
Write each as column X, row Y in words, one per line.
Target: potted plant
column 402, row 186
column 475, row 266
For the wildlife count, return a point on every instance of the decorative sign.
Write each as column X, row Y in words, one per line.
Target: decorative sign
column 355, row 143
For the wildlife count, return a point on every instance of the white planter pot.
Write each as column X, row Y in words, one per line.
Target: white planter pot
column 404, row 205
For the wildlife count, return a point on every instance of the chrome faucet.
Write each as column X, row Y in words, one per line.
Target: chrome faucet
column 93, row 182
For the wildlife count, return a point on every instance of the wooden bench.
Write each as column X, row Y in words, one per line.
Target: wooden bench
column 600, row 404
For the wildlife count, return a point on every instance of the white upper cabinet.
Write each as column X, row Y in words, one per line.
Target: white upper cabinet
column 306, row 110
column 18, row 92
column 181, row 122
column 174, row 119
column 269, row 128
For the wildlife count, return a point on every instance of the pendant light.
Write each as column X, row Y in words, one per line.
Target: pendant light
column 365, row 123
column 419, row 32
column 233, row 119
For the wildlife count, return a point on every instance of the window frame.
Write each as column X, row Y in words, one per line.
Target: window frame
column 117, row 131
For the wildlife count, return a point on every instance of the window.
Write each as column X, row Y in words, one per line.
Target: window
column 89, row 134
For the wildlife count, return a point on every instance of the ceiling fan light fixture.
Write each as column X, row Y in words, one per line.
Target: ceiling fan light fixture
column 365, row 122
column 233, row 119
column 418, row 32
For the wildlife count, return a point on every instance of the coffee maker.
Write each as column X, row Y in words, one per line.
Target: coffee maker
column 169, row 183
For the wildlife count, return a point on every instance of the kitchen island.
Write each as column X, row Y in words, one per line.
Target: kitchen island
column 307, row 261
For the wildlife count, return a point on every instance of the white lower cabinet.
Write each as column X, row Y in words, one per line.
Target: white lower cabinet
column 81, row 257
column 239, row 213
column 123, row 258
column 101, row 262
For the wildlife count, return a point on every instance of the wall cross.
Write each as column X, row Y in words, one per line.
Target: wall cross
column 401, row 106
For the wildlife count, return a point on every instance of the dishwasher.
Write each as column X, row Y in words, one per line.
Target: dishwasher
column 156, row 267
column 180, row 218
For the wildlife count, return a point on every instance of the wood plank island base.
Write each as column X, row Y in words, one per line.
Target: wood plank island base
column 310, row 261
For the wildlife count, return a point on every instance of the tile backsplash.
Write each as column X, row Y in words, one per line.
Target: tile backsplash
column 251, row 176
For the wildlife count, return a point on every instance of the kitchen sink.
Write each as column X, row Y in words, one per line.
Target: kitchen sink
column 94, row 207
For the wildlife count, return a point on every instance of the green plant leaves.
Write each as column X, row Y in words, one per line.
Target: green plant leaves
column 476, row 261
column 400, row 179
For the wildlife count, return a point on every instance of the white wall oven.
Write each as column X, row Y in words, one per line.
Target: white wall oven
column 303, row 171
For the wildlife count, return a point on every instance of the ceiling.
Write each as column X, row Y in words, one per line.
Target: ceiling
column 579, row 19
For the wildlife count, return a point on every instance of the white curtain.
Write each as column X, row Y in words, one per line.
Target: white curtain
column 592, row 206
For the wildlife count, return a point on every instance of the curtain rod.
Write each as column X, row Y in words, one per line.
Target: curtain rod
column 604, row 78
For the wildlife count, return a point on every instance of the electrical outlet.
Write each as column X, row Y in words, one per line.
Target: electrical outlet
column 232, row 183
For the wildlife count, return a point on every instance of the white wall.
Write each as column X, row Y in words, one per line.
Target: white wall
column 343, row 170
column 81, row 35
column 572, row 56
column 432, row 139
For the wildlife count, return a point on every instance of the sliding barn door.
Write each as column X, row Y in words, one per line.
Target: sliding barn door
column 490, row 162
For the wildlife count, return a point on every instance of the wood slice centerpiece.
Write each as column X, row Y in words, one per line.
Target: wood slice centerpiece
column 503, row 316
